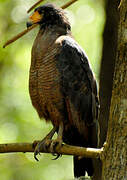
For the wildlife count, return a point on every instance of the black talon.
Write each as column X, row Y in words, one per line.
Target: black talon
column 57, row 156
column 35, row 154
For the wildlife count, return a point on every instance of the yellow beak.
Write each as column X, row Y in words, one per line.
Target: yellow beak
column 34, row 18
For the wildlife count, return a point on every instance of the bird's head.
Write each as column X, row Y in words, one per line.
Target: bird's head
column 49, row 15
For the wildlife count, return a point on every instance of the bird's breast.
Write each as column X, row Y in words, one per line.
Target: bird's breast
column 44, row 81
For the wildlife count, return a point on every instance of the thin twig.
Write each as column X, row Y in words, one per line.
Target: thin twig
column 63, row 7
column 120, row 4
column 33, row 26
column 19, row 35
column 68, row 4
column 65, row 149
column 32, row 7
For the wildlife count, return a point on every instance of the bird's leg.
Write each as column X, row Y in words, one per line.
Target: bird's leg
column 44, row 143
column 58, row 141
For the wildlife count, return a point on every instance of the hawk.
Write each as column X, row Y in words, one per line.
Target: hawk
column 62, row 86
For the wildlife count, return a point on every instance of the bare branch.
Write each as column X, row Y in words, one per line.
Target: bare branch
column 65, row 149
column 33, row 26
column 32, row 7
column 19, row 35
column 68, row 4
column 63, row 7
column 120, row 4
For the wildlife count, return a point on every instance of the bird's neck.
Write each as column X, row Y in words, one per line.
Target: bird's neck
column 45, row 40
column 46, row 37
column 56, row 30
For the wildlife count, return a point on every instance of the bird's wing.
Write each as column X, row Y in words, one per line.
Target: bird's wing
column 77, row 82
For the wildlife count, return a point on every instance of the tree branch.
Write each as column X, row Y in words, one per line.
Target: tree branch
column 19, row 35
column 63, row 7
column 32, row 7
column 34, row 25
column 65, row 150
column 68, row 4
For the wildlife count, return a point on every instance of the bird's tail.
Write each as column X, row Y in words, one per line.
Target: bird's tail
column 81, row 166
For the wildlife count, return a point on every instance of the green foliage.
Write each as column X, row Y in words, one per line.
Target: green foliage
column 18, row 120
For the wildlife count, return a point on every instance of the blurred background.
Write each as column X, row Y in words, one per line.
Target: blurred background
column 19, row 121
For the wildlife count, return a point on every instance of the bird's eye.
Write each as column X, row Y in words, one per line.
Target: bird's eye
column 41, row 11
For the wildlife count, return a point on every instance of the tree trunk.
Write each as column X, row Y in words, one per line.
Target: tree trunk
column 115, row 151
column 110, row 36
column 107, row 65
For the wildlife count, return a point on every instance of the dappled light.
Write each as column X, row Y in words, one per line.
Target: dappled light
column 87, row 13
column 20, row 16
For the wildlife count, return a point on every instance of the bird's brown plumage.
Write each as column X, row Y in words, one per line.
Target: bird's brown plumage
column 44, row 83
column 62, row 87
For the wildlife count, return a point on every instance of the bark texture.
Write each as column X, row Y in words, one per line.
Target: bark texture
column 107, row 65
column 115, row 156
column 106, row 74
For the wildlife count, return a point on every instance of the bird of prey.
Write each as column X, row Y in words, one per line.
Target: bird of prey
column 62, row 86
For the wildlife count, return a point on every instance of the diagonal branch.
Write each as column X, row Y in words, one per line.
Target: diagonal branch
column 68, row 4
column 65, row 150
column 32, row 7
column 19, row 35
column 63, row 7
column 33, row 26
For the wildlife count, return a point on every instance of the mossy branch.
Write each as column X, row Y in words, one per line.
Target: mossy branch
column 65, row 150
